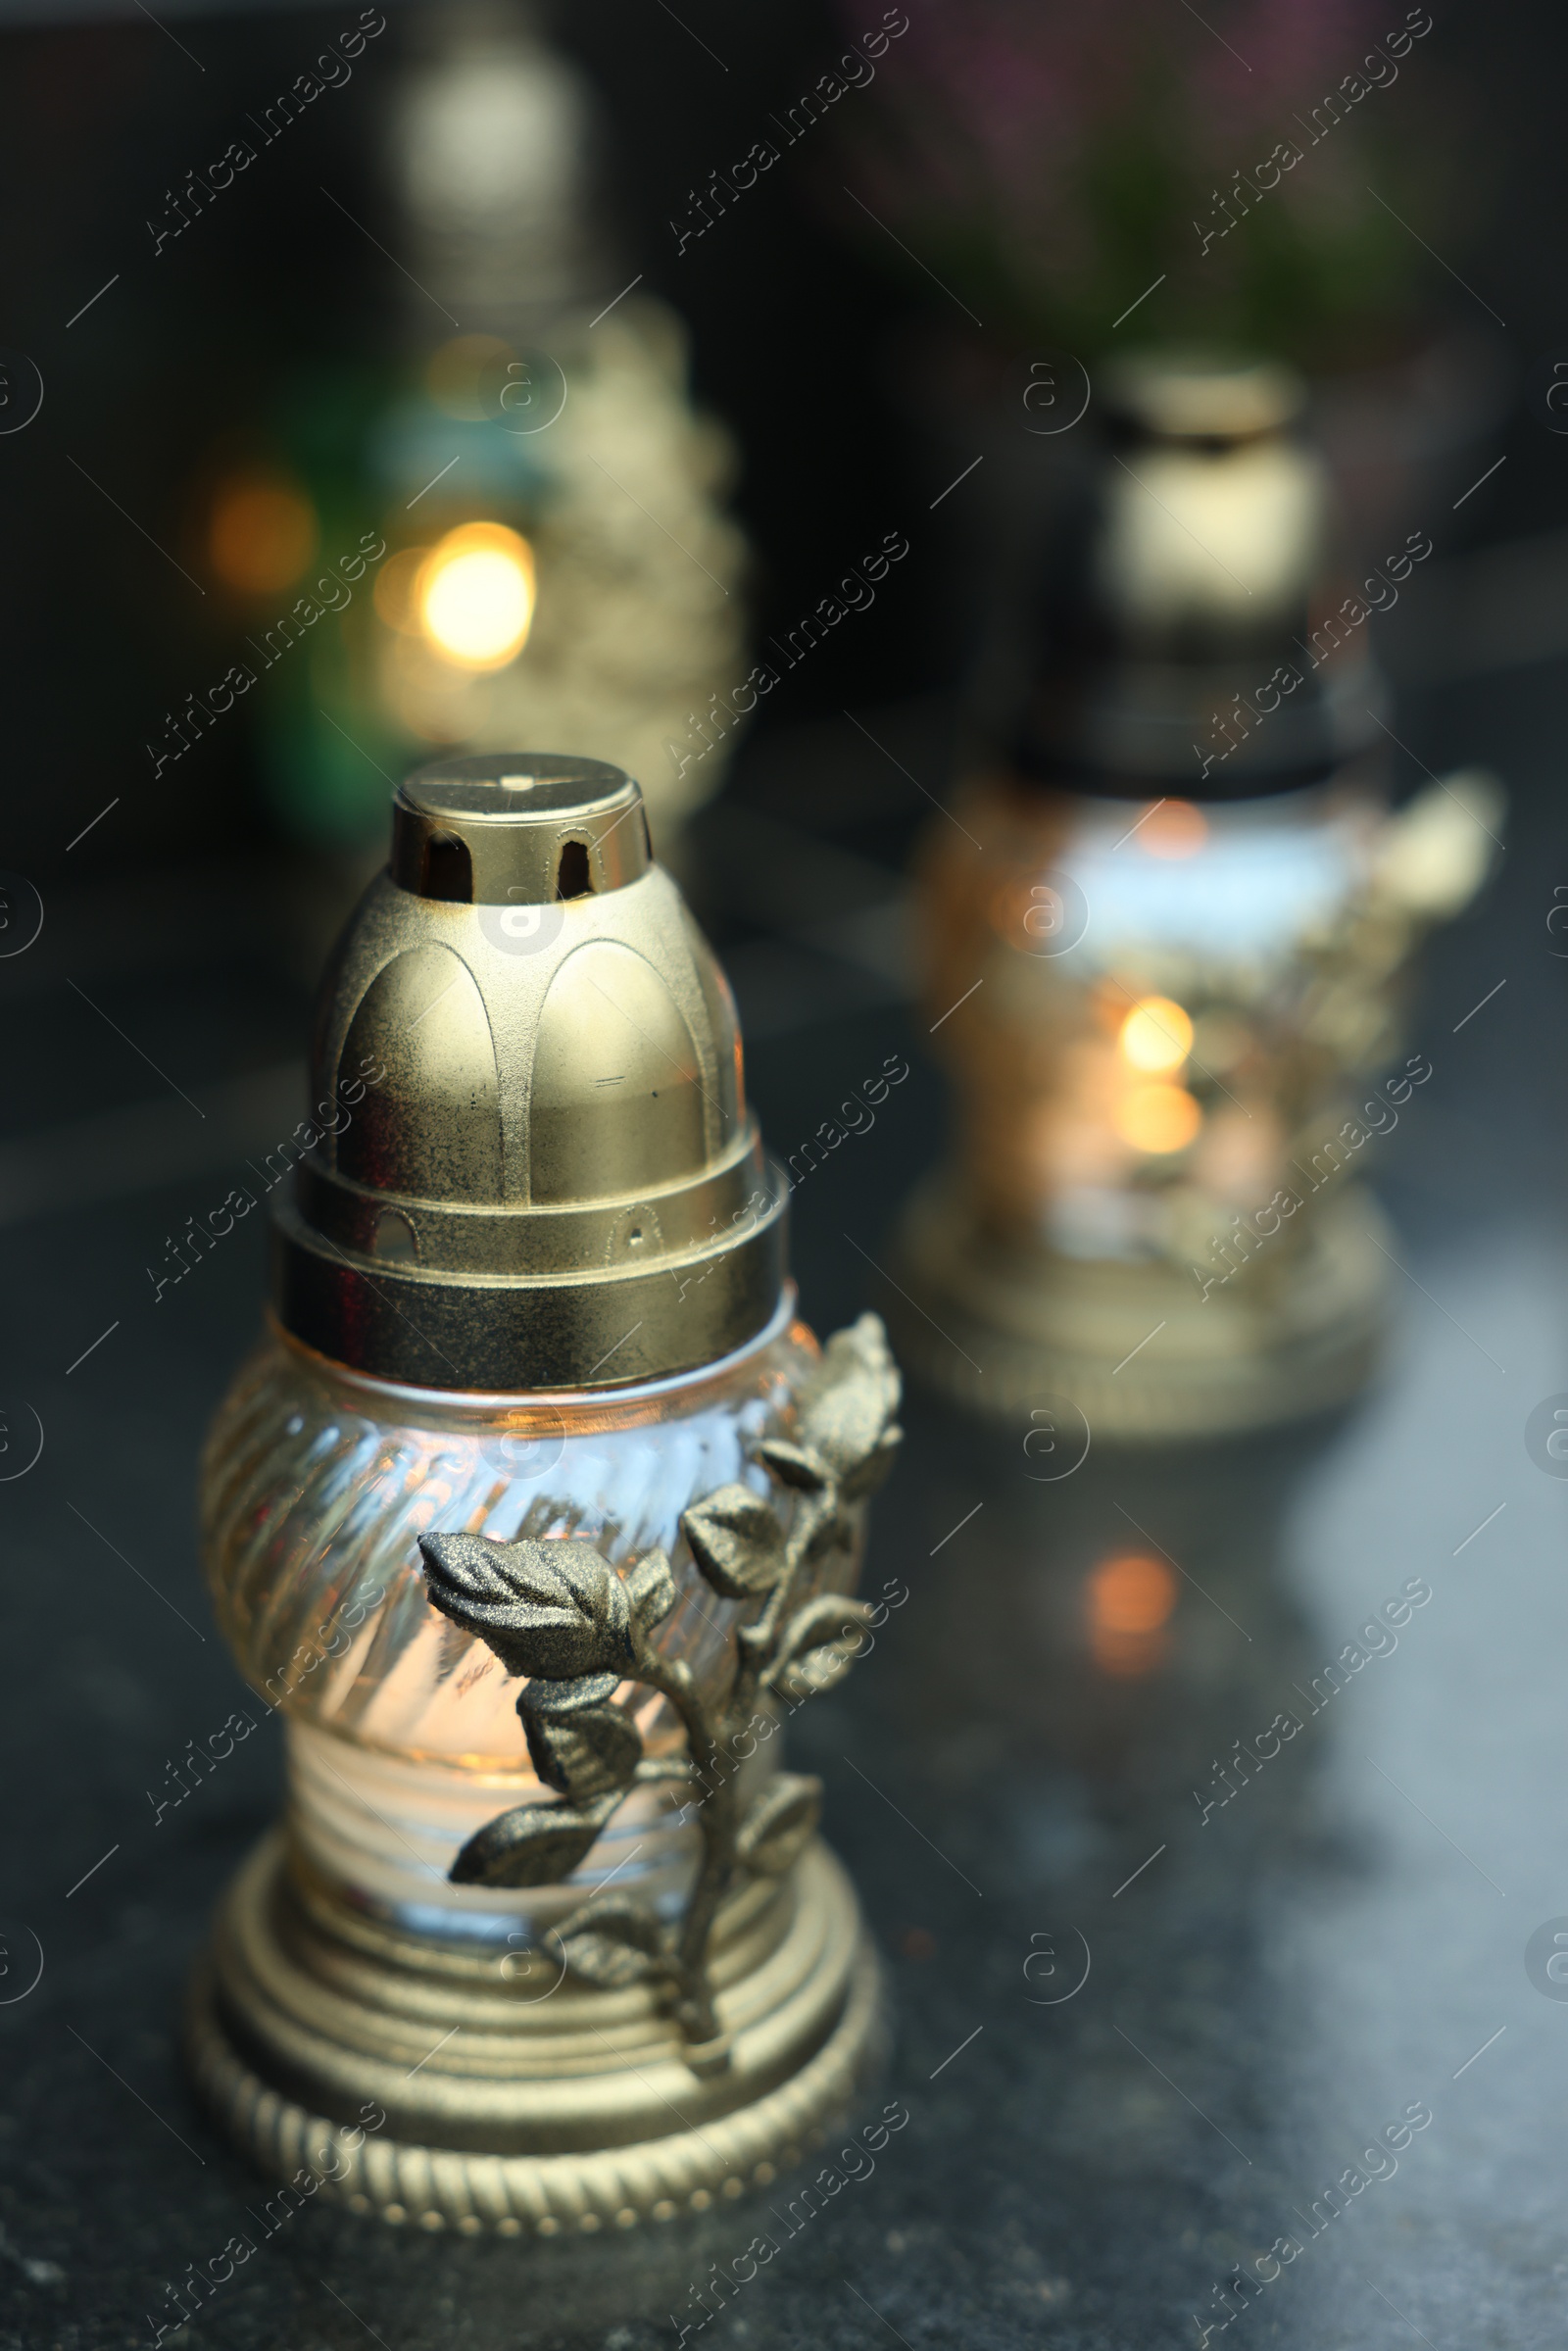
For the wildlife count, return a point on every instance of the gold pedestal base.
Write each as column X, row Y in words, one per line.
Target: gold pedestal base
column 1143, row 1357
column 515, row 2101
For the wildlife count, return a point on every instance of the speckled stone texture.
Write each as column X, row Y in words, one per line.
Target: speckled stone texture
column 1273, row 1983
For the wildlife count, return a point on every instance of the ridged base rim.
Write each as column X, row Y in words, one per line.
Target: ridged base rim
column 1044, row 1327
column 472, row 2193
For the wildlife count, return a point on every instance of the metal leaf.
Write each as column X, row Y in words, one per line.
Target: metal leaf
column 568, row 1697
column 859, row 1482
column 556, row 1608
column 736, row 1541
column 846, row 1407
column 819, row 1645
column 780, row 1825
column 584, row 1751
column 614, row 1942
column 794, row 1464
column 651, row 1591
column 532, row 1844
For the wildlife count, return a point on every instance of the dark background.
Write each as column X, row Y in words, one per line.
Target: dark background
column 1286, row 1976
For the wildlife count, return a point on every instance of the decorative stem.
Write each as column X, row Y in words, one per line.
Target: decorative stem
column 715, row 1821
column 711, row 1748
column 758, row 1642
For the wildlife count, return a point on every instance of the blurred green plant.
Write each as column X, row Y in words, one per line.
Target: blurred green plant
column 1052, row 166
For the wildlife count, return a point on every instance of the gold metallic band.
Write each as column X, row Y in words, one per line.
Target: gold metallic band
column 612, row 1319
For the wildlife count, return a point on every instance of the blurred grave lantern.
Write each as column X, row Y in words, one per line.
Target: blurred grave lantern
column 1167, row 931
column 514, row 530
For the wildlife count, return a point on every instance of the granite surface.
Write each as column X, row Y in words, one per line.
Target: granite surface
column 1143, row 2028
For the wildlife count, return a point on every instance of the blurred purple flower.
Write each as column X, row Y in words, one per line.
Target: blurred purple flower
column 1058, row 159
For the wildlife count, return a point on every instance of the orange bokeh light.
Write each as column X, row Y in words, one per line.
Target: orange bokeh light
column 1173, row 828
column 262, row 535
column 1128, row 1600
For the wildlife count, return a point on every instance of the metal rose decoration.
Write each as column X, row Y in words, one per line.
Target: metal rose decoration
column 560, row 1613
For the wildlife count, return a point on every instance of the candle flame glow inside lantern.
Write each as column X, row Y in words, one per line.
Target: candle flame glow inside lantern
column 474, row 596
column 1153, row 1041
column 1156, row 1035
column 1158, row 1118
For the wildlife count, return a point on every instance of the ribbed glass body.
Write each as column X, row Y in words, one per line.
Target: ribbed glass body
column 402, row 1730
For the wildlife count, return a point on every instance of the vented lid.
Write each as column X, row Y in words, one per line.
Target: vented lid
column 532, row 1166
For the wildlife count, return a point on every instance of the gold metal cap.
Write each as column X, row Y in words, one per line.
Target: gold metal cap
column 489, row 832
column 540, row 1172
column 1195, row 584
